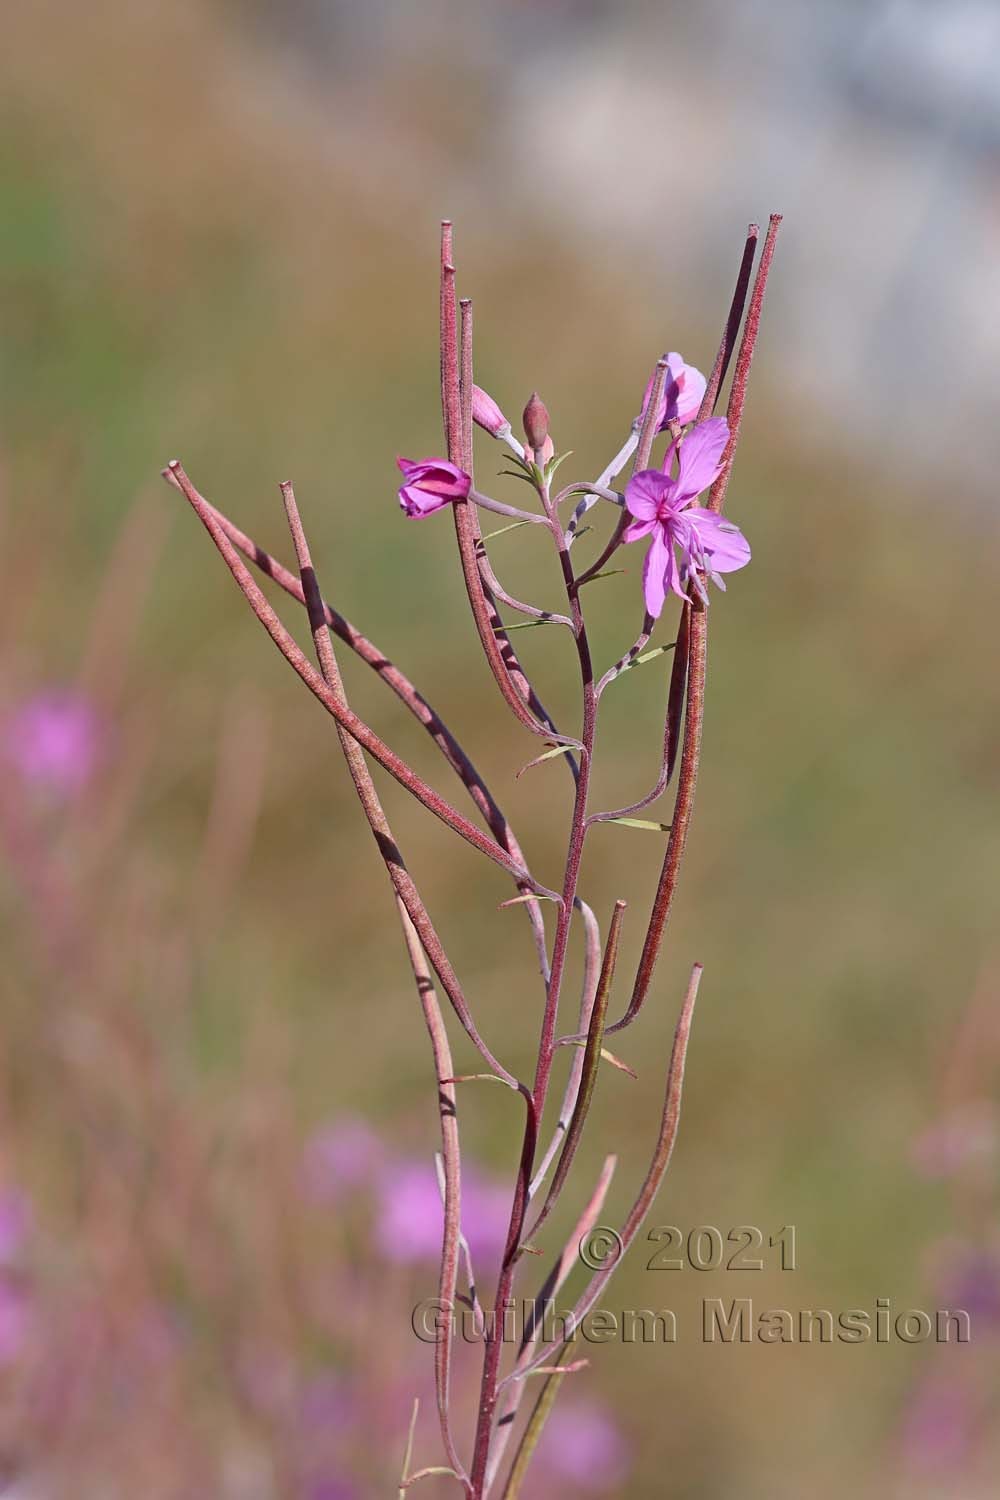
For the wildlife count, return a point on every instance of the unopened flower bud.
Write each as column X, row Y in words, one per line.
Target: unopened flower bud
column 487, row 414
column 536, row 422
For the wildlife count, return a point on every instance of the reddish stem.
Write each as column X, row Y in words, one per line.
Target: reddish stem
column 732, row 329
column 405, row 899
column 681, row 821
column 517, row 691
column 662, row 1152
column 748, row 343
column 671, row 728
column 407, row 694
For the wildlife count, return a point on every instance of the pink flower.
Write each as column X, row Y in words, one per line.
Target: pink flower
column 340, row 1158
column 15, row 1320
column 53, row 741
column 661, row 505
column 682, row 393
column 410, row 1218
column 583, row 1448
column 430, row 484
column 15, row 1224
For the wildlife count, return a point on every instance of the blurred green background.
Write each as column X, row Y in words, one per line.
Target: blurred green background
column 220, row 244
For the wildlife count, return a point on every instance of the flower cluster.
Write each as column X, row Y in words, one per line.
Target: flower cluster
column 688, row 542
column 664, row 510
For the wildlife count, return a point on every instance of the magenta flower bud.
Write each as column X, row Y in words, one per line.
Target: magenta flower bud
column 536, row 422
column 430, row 484
column 487, row 414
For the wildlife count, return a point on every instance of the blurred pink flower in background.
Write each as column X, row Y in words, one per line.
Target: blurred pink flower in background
column 972, row 1282
column 332, row 1489
column 341, row 1157
column 966, row 1137
column 410, row 1216
column 347, row 1157
column 53, row 740
column 15, row 1223
column 15, row 1319
column 582, row 1446
column 937, row 1433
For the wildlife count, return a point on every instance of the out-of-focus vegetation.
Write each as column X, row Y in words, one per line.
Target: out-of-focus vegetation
column 207, row 254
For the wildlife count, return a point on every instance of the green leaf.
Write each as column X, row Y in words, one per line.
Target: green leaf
column 641, row 823
column 523, row 625
column 500, row 531
column 556, row 750
column 608, row 573
column 553, row 464
column 647, row 656
column 522, row 463
column 474, row 1078
column 527, row 478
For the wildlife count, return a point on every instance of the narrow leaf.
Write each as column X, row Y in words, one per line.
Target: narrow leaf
column 517, row 900
column 408, row 1453
column 641, row 823
column 474, row 1078
column 533, row 1431
column 510, row 474
column 646, row 655
column 607, row 1054
column 608, row 573
column 554, row 463
column 556, row 750
column 501, row 529
column 609, row 1057
column 523, row 625
column 593, row 1051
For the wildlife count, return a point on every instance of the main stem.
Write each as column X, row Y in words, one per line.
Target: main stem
column 546, row 1048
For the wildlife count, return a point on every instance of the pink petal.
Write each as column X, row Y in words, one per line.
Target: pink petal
column 417, row 503
column 644, row 492
column 685, row 390
column 637, row 531
column 659, row 572
column 725, row 545
column 682, row 393
column 700, row 453
column 430, row 484
column 437, row 476
column 486, row 412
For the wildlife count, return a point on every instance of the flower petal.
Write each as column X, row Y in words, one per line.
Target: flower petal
column 725, row 545
column 644, row 492
column 430, row 484
column 637, row 531
column 437, row 476
column 700, row 453
column 685, row 388
column 416, row 503
column 659, row 572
